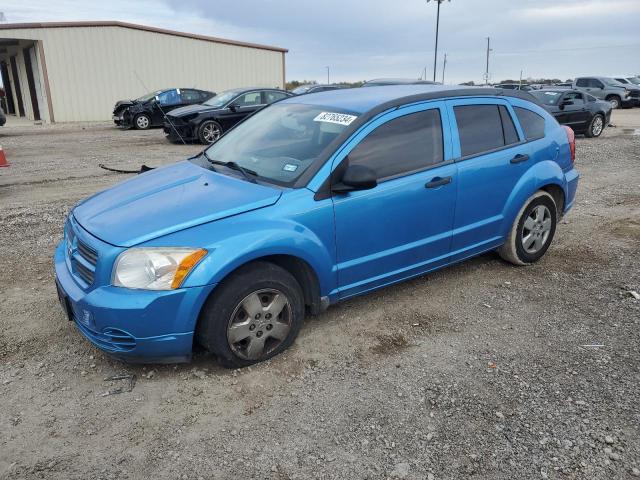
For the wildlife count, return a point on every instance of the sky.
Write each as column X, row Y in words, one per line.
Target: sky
column 361, row 39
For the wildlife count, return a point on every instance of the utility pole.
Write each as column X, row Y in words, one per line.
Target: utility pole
column 444, row 67
column 435, row 55
column 520, row 84
column 486, row 72
column 328, row 76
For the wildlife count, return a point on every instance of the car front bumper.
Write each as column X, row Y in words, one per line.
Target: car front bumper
column 177, row 131
column 138, row 326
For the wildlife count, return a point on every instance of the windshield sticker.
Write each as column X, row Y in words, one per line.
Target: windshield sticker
column 339, row 118
column 290, row 168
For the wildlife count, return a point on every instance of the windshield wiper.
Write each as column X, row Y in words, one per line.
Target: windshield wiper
column 247, row 173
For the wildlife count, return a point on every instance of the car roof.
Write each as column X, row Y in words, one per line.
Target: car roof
column 361, row 100
column 400, row 81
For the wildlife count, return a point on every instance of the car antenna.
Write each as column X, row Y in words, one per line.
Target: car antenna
column 160, row 107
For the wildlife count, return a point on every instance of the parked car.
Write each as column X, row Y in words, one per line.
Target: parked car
column 3, row 117
column 514, row 86
column 563, row 84
column 207, row 122
column 630, row 80
column 149, row 110
column 582, row 112
column 314, row 88
column 605, row 88
column 380, row 82
column 313, row 200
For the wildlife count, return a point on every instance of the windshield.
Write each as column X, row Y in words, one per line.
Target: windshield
column 546, row 97
column 302, row 89
column 148, row 96
column 221, row 99
column 280, row 142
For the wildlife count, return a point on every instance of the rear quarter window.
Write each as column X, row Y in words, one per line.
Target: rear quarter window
column 532, row 124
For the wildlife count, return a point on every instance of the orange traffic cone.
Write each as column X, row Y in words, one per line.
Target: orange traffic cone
column 3, row 159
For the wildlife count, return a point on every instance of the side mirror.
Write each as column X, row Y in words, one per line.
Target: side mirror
column 356, row 177
column 234, row 107
column 565, row 103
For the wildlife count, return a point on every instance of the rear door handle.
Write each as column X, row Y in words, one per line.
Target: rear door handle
column 438, row 182
column 520, row 158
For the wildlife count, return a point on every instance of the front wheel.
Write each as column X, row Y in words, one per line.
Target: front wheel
column 614, row 101
column 142, row 121
column 253, row 315
column 596, row 126
column 532, row 230
column 209, row 131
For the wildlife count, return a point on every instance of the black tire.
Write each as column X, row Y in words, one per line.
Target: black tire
column 225, row 306
column 615, row 101
column 514, row 249
column 203, row 132
column 142, row 121
column 595, row 129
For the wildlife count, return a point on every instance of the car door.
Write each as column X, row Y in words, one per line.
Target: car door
column 574, row 110
column 491, row 157
column 401, row 227
column 240, row 108
column 595, row 87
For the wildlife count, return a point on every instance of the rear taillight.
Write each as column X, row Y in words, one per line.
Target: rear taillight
column 572, row 142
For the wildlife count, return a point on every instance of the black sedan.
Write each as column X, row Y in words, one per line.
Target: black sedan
column 582, row 112
column 314, row 88
column 207, row 122
column 149, row 110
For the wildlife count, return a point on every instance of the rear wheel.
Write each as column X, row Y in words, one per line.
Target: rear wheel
column 615, row 101
column 142, row 121
column 209, row 131
column 253, row 315
column 532, row 230
column 596, row 126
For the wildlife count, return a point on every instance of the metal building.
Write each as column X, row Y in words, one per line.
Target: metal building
column 76, row 71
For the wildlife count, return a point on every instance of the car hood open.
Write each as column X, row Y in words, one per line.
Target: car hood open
column 167, row 200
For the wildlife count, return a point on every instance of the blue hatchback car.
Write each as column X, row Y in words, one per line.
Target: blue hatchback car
column 314, row 199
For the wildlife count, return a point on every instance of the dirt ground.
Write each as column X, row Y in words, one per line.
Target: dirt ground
column 479, row 371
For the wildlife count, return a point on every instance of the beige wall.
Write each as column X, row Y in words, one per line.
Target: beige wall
column 90, row 68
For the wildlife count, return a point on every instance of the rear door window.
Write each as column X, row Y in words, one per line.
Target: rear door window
column 582, row 82
column 271, row 96
column 479, row 128
column 403, row 145
column 532, row 124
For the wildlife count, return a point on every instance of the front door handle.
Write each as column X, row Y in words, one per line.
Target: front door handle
column 438, row 182
column 520, row 158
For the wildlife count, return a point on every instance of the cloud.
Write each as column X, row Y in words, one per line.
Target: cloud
column 376, row 38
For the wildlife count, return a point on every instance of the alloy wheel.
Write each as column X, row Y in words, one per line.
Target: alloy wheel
column 142, row 122
column 211, row 132
column 536, row 229
column 597, row 126
column 614, row 103
column 259, row 324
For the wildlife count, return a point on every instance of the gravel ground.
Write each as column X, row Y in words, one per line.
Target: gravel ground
column 479, row 371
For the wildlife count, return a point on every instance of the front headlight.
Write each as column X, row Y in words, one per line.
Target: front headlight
column 155, row 268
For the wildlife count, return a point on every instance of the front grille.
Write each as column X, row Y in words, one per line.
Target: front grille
column 82, row 259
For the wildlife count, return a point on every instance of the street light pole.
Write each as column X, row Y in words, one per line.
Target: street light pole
column 328, row 76
column 444, row 67
column 435, row 55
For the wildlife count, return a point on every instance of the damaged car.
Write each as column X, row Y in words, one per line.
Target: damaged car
column 149, row 110
column 207, row 122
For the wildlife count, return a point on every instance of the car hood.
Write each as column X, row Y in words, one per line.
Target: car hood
column 189, row 109
column 166, row 200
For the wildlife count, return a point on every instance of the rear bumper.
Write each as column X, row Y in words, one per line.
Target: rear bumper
column 138, row 326
column 572, row 178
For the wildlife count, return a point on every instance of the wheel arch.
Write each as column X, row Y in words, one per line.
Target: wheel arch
column 545, row 175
